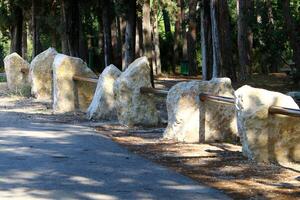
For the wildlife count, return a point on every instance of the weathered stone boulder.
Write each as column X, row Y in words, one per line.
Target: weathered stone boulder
column 69, row 95
column 103, row 105
column 41, row 74
column 267, row 137
column 190, row 120
column 132, row 107
column 16, row 79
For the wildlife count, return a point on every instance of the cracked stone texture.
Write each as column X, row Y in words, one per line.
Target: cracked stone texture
column 132, row 107
column 267, row 137
column 191, row 121
column 41, row 74
column 16, row 80
column 103, row 105
column 71, row 95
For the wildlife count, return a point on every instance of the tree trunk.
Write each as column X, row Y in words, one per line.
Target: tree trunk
column 37, row 47
column 170, row 40
column 227, row 66
column 24, row 41
column 139, row 30
column 215, row 39
column 63, row 21
column 147, row 37
column 178, row 34
column 245, row 37
column 156, row 49
column 16, row 31
column 130, row 33
column 72, row 19
column 106, row 19
column 293, row 33
column 206, row 47
column 192, row 53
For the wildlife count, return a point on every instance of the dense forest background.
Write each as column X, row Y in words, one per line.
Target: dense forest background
column 212, row 38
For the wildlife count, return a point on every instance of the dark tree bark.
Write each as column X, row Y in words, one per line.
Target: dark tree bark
column 215, row 39
column 178, row 33
column 245, row 37
column 139, row 32
column 63, row 22
column 71, row 18
column 130, row 33
column 24, row 41
column 147, row 36
column 206, row 46
column 169, row 36
column 156, row 43
column 225, row 33
column 106, row 19
column 37, row 46
column 293, row 33
column 16, row 30
column 192, row 57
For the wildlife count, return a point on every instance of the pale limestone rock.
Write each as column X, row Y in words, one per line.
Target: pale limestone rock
column 103, row 104
column 267, row 137
column 41, row 74
column 70, row 95
column 132, row 107
column 16, row 80
column 212, row 122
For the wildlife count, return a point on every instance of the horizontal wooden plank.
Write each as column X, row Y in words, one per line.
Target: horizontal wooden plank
column 221, row 99
column 284, row 111
column 148, row 90
column 85, row 79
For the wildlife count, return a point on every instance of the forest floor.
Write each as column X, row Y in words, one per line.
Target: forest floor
column 219, row 165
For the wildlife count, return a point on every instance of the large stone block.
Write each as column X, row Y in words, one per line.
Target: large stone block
column 134, row 108
column 190, row 120
column 70, row 95
column 267, row 137
column 41, row 74
column 16, row 79
column 103, row 105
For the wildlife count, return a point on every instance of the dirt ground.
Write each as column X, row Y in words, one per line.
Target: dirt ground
column 219, row 165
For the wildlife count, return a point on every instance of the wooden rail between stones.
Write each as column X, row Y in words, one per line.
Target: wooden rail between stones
column 85, row 79
column 272, row 110
column 146, row 90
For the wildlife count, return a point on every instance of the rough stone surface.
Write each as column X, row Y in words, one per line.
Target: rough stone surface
column 41, row 74
column 212, row 122
column 103, row 104
column 267, row 137
column 134, row 108
column 16, row 80
column 70, row 95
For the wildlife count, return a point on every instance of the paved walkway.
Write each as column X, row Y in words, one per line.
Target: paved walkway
column 58, row 161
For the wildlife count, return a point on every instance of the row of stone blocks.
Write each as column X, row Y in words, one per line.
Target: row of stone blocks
column 264, row 137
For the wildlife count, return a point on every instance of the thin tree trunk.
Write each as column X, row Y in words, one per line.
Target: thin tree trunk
column 63, row 21
column 24, row 41
column 16, row 31
column 192, row 57
column 130, row 33
column 293, row 33
column 106, row 19
column 227, row 66
column 245, row 37
column 147, row 37
column 72, row 19
column 170, row 40
column 206, row 47
column 215, row 39
column 156, row 56
column 37, row 47
column 139, row 32
column 178, row 34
